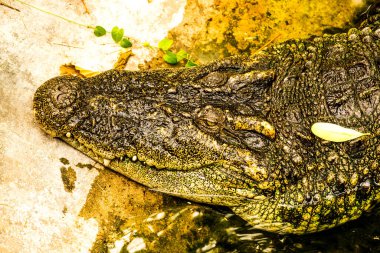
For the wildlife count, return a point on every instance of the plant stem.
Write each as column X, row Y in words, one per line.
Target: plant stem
column 8, row 6
column 55, row 15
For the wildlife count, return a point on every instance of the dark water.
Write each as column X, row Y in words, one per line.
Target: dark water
column 362, row 235
column 193, row 228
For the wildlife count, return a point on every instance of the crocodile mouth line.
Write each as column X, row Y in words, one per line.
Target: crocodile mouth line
column 90, row 152
column 115, row 164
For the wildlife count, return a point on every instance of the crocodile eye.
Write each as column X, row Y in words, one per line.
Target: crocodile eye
column 211, row 123
column 210, row 119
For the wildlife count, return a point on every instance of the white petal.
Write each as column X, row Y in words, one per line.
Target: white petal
column 335, row 133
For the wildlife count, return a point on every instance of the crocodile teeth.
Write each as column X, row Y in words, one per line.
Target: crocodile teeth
column 68, row 134
column 134, row 158
column 106, row 162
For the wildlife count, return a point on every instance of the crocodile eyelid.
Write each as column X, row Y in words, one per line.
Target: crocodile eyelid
column 251, row 123
column 238, row 81
column 214, row 79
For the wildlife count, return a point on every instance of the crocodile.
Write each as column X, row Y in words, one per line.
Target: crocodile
column 236, row 132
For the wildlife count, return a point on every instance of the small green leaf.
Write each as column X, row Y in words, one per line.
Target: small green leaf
column 125, row 43
column 117, row 33
column 170, row 57
column 181, row 55
column 99, row 31
column 165, row 44
column 335, row 133
column 190, row 64
column 146, row 44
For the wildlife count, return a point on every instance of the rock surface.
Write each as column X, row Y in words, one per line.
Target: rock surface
column 38, row 213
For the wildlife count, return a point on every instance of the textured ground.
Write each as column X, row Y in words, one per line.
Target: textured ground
column 41, row 197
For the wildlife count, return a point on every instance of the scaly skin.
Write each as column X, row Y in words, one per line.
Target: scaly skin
column 236, row 132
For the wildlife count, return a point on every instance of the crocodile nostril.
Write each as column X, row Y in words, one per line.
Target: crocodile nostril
column 63, row 95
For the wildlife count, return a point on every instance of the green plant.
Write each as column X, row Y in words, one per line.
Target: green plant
column 174, row 58
column 117, row 35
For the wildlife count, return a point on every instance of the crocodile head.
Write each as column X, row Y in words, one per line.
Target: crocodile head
column 236, row 132
column 168, row 119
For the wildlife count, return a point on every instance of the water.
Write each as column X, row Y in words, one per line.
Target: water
column 193, row 228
